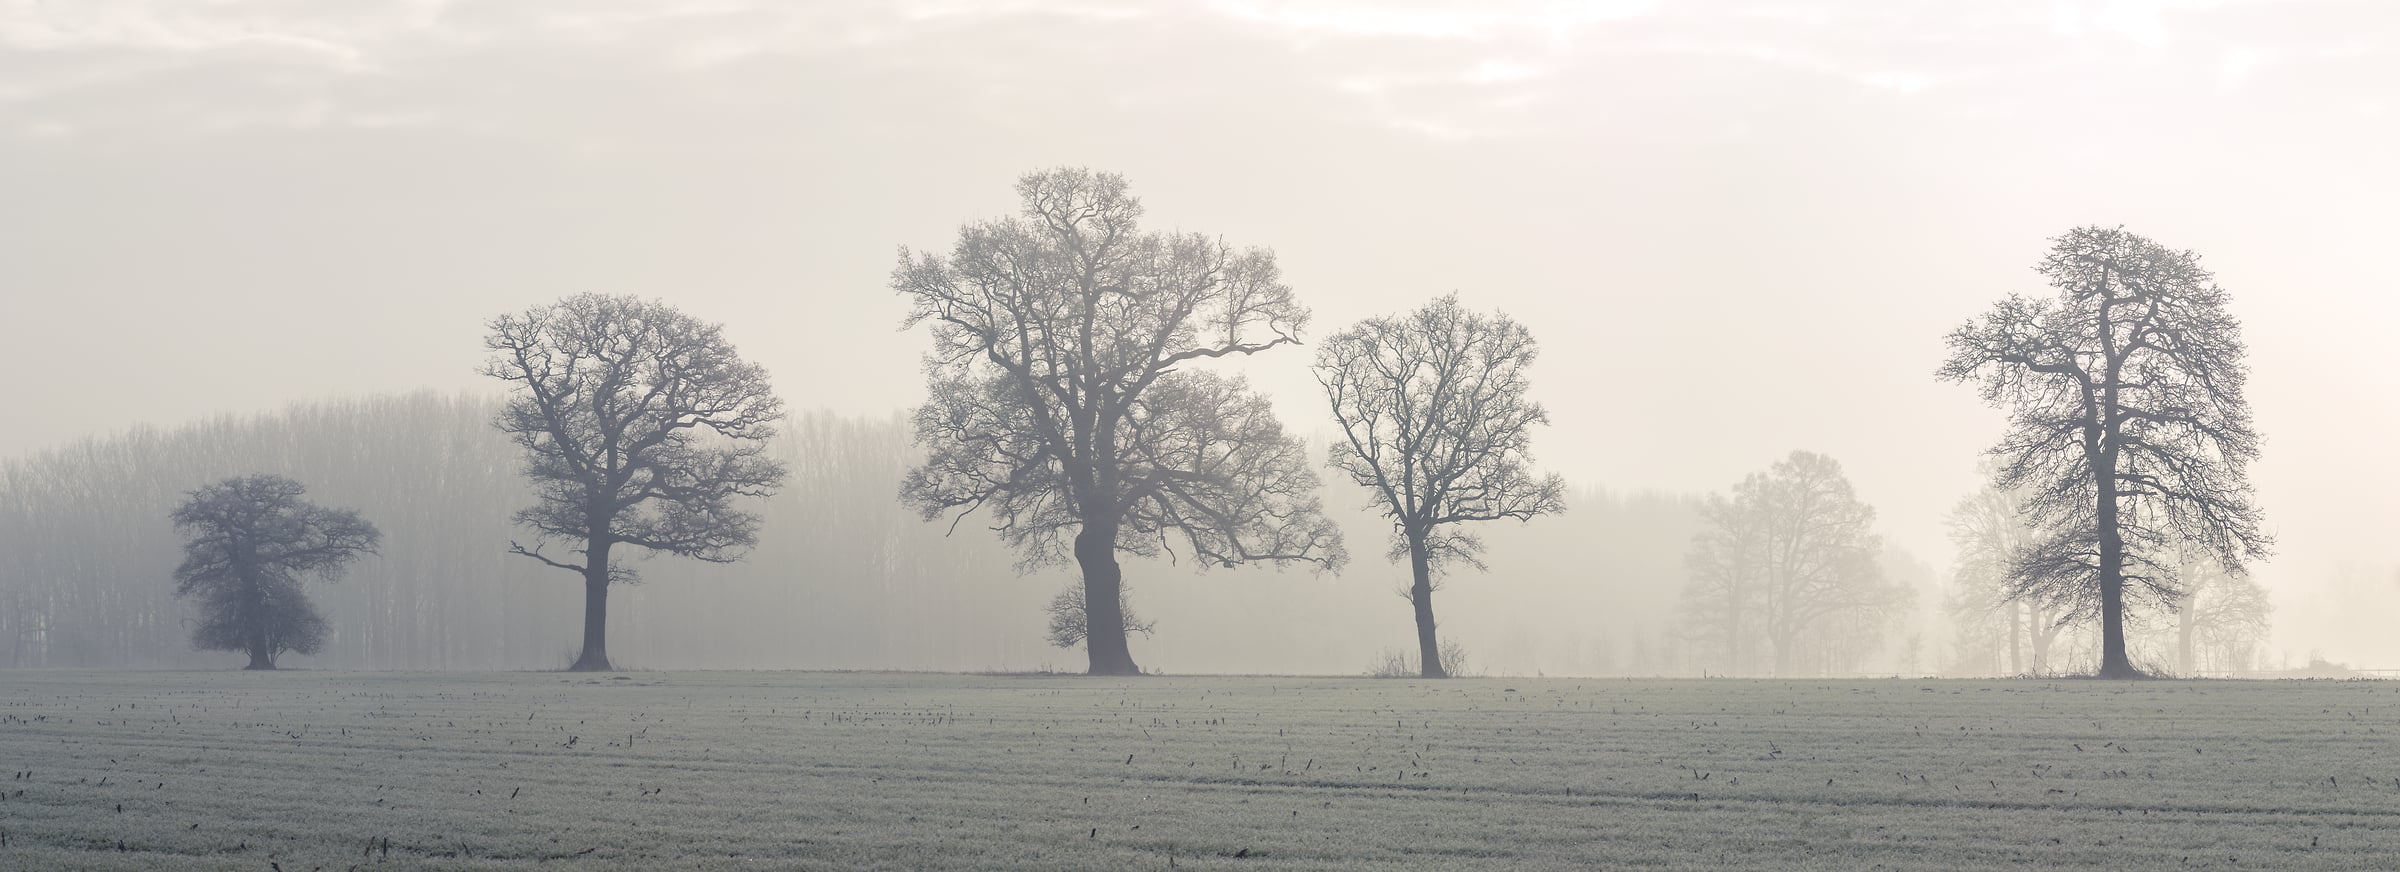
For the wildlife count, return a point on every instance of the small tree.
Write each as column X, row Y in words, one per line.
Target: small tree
column 1992, row 532
column 250, row 543
column 1064, row 402
column 641, row 426
column 1436, row 425
column 2220, row 617
column 2128, row 430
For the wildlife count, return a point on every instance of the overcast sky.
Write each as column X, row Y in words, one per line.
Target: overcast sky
column 1738, row 228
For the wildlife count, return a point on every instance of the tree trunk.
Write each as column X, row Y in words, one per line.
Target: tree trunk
column 1733, row 624
column 2041, row 630
column 2114, row 663
column 1103, row 601
column 2183, row 637
column 2102, row 438
column 2016, row 639
column 595, row 611
column 1420, row 595
column 262, row 649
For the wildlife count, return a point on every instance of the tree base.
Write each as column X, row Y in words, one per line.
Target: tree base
column 1117, row 665
column 591, row 663
column 259, row 667
column 2125, row 672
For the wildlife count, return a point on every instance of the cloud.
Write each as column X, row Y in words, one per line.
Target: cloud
column 108, row 26
column 2137, row 21
column 1473, row 22
column 1492, row 71
column 1438, row 69
column 1900, row 81
column 2235, row 65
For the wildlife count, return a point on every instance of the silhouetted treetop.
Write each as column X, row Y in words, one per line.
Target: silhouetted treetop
column 616, row 403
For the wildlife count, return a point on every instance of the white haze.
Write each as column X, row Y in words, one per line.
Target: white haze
column 1737, row 228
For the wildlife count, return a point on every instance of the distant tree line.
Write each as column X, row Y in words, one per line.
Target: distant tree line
column 842, row 577
column 90, row 548
column 88, row 552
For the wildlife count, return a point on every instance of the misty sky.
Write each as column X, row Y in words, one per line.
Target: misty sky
column 1738, row 228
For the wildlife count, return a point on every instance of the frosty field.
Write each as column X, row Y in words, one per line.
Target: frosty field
column 302, row 770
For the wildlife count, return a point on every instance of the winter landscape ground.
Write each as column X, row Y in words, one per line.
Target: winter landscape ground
column 325, row 770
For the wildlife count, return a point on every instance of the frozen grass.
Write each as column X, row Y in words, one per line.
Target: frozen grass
column 853, row 771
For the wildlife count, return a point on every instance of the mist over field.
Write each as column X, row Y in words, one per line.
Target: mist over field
column 248, row 237
column 1212, row 434
column 843, row 577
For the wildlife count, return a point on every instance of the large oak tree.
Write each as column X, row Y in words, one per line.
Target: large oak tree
column 1435, row 424
column 641, row 426
column 1067, row 405
column 2128, row 427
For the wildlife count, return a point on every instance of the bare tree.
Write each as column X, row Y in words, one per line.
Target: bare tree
column 641, row 426
column 2128, row 428
column 1991, row 531
column 1795, row 551
column 24, row 625
column 1064, row 405
column 1723, row 585
column 250, row 543
column 1436, row 425
column 1822, row 556
column 2219, row 617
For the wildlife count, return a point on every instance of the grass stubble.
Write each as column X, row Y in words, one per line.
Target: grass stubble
column 326, row 771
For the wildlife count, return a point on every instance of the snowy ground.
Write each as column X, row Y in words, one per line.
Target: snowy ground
column 301, row 770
